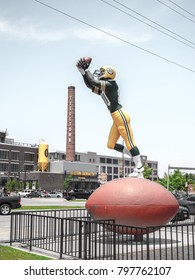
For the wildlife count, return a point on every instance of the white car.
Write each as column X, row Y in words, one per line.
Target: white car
column 55, row 194
column 25, row 193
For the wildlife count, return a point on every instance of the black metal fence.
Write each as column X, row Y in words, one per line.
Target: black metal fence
column 73, row 234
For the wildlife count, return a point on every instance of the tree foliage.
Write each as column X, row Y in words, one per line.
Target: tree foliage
column 12, row 185
column 147, row 172
column 178, row 180
column 67, row 181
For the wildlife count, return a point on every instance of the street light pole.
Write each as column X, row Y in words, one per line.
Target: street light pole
column 25, row 179
column 168, row 177
column 186, row 184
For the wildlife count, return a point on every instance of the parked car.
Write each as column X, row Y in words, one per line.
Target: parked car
column 179, row 194
column 36, row 194
column 182, row 214
column 45, row 193
column 7, row 203
column 25, row 193
column 185, row 200
column 191, row 197
column 188, row 202
column 77, row 194
column 55, row 194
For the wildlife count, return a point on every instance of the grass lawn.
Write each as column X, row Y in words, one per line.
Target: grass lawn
column 9, row 253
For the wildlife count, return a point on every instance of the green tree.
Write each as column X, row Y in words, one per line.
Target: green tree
column 67, row 181
column 163, row 181
column 177, row 180
column 147, row 172
column 12, row 185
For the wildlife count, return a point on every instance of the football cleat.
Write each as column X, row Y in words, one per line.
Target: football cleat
column 137, row 173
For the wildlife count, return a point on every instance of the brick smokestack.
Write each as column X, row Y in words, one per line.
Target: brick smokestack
column 70, row 133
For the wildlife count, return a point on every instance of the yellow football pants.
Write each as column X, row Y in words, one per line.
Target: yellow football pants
column 121, row 127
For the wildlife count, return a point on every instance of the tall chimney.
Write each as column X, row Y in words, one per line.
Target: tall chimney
column 70, row 132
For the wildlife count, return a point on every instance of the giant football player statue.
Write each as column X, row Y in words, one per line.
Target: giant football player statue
column 103, row 83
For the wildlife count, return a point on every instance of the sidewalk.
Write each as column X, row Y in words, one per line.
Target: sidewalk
column 5, row 229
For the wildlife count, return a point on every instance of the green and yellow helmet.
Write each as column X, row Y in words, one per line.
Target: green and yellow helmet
column 105, row 72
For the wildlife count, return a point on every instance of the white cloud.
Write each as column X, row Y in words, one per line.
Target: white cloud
column 110, row 35
column 24, row 30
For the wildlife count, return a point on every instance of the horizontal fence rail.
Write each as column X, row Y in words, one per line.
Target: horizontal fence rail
column 73, row 234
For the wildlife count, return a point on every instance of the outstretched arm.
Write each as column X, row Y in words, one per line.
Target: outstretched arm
column 92, row 83
column 89, row 80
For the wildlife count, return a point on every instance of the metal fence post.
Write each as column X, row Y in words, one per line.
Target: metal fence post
column 147, row 244
column 11, row 229
column 86, row 237
column 31, row 231
column 61, row 238
column 80, row 239
column 114, row 242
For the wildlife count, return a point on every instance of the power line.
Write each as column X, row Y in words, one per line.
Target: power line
column 181, row 8
column 150, row 24
column 176, row 11
column 114, row 36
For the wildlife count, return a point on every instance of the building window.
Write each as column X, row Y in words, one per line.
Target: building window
column 77, row 157
column 4, row 154
column 14, row 168
column 115, row 170
column 14, row 155
column 102, row 160
column 103, row 169
column 3, row 167
column 28, row 167
column 109, row 169
column 115, row 161
column 127, row 162
column 29, row 156
column 109, row 160
column 127, row 170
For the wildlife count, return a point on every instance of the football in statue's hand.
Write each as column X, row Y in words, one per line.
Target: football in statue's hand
column 87, row 60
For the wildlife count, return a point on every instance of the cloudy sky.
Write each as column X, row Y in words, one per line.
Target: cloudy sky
column 150, row 43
